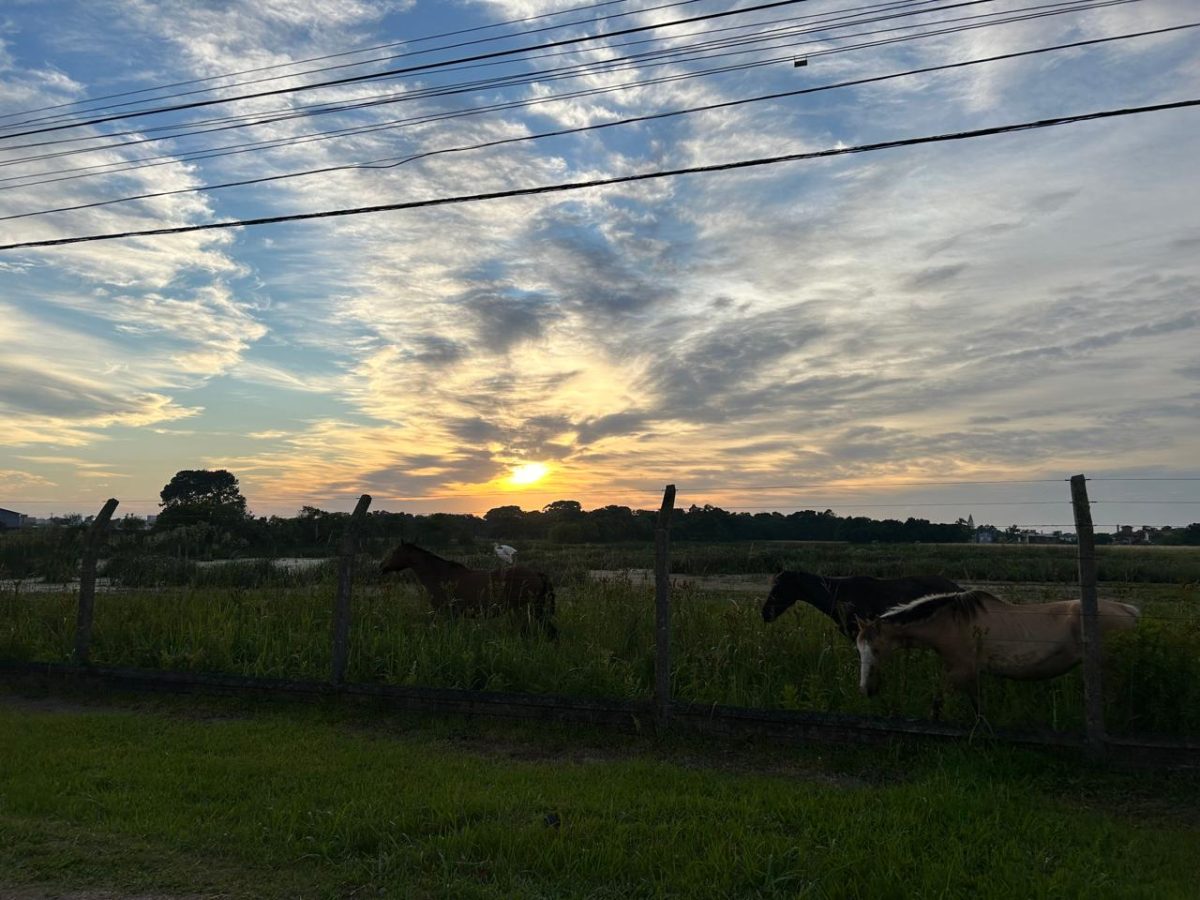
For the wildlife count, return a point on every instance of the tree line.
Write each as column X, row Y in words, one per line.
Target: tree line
column 204, row 515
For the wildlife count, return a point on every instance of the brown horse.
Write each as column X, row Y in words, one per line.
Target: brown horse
column 454, row 588
column 974, row 632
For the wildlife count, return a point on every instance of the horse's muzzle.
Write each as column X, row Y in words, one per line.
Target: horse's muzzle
column 870, row 688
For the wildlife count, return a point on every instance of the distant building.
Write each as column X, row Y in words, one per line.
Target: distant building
column 1033, row 536
column 1147, row 534
column 10, row 519
column 987, row 534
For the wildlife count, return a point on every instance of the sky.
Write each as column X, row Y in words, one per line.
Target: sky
column 863, row 333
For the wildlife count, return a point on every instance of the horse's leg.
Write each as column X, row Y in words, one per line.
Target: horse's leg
column 546, row 608
column 971, row 686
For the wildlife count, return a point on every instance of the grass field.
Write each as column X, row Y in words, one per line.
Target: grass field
column 192, row 798
column 248, row 619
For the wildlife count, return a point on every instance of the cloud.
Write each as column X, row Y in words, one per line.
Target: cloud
column 16, row 481
column 1005, row 305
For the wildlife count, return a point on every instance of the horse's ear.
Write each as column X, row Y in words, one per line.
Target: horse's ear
column 861, row 622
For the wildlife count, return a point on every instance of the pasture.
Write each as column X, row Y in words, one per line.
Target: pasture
column 256, row 619
column 181, row 797
column 184, row 798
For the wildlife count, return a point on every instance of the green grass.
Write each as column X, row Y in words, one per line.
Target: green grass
column 219, row 798
column 722, row 651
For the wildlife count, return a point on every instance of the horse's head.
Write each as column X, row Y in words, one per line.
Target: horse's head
column 875, row 642
column 399, row 559
column 785, row 591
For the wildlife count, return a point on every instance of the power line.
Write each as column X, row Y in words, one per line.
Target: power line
column 247, row 120
column 1149, row 478
column 296, row 62
column 294, row 112
column 831, row 487
column 795, row 502
column 394, row 162
column 621, row 179
column 405, row 70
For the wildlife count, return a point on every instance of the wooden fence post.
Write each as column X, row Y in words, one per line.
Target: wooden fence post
column 341, row 608
column 1093, row 695
column 92, row 543
column 662, row 610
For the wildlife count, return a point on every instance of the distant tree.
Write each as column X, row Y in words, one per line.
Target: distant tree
column 202, row 495
column 564, row 509
column 1188, row 535
column 193, row 486
column 506, row 522
column 316, row 519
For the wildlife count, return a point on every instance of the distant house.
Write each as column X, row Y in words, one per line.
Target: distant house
column 987, row 534
column 1033, row 536
column 10, row 519
column 1147, row 534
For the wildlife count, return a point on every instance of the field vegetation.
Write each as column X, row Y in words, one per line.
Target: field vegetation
column 193, row 798
column 183, row 797
column 256, row 618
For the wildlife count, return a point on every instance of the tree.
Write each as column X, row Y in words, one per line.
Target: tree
column 504, row 521
column 564, row 509
column 192, row 486
column 202, row 495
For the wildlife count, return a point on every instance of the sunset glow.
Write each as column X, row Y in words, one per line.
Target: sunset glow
column 891, row 334
column 529, row 473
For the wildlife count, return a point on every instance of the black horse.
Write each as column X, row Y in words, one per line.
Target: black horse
column 849, row 598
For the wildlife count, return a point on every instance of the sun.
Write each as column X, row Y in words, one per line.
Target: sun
column 528, row 473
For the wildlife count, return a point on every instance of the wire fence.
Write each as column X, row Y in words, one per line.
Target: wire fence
column 267, row 618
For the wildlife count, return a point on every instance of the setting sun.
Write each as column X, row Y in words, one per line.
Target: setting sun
column 529, row 473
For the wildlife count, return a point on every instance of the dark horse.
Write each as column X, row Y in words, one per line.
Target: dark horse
column 455, row 588
column 851, row 597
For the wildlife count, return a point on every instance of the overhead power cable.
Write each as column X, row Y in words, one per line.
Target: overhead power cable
column 285, row 113
column 397, row 161
column 246, row 120
column 376, row 61
column 621, row 179
column 121, row 166
column 405, row 70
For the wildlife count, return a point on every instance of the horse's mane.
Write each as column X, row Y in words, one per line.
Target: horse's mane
column 963, row 604
column 429, row 553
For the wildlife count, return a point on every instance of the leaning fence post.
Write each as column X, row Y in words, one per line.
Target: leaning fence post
column 662, row 610
column 87, row 581
column 1093, row 696
column 341, row 608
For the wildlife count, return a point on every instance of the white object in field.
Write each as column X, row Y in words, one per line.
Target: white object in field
column 505, row 552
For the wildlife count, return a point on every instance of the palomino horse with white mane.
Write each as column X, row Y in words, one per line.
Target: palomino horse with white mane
column 974, row 632
column 454, row 588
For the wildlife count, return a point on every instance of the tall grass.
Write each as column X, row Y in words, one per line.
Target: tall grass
column 722, row 651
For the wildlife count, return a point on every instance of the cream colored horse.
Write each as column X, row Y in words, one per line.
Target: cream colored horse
column 974, row 632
